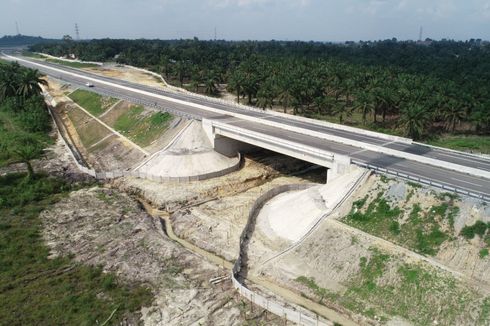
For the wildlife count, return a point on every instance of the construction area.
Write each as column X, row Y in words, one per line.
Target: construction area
column 362, row 249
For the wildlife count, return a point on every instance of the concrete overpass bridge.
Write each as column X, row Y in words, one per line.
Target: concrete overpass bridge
column 230, row 126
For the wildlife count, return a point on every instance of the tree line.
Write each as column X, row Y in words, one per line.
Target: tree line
column 24, row 119
column 401, row 87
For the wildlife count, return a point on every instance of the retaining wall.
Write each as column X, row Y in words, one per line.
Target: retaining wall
column 269, row 304
column 107, row 175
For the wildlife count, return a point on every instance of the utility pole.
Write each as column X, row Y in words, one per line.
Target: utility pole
column 421, row 33
column 215, row 33
column 77, row 32
column 17, row 28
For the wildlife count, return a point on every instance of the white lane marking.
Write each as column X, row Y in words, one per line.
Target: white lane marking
column 445, row 183
column 387, row 143
column 358, row 152
column 471, row 183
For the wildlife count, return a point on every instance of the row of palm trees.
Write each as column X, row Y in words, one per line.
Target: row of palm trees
column 445, row 86
column 330, row 88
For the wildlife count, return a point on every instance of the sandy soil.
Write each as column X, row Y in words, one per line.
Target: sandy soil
column 101, row 227
column 257, row 169
column 128, row 74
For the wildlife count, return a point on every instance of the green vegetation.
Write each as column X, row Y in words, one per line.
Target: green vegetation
column 366, row 84
column 37, row 290
column 72, row 64
column 92, row 102
column 483, row 253
column 421, row 231
column 480, row 144
column 485, row 314
column 479, row 228
column 140, row 128
column 385, row 287
column 32, row 55
column 24, row 119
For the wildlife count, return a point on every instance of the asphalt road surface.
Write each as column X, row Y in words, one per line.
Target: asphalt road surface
column 453, row 179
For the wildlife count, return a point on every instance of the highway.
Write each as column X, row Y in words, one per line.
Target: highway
column 200, row 107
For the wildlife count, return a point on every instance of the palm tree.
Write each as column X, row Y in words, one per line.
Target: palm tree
column 9, row 80
column 452, row 114
column 414, row 120
column 266, row 94
column 235, row 83
column 210, row 83
column 364, row 103
column 340, row 109
column 30, row 82
column 285, row 97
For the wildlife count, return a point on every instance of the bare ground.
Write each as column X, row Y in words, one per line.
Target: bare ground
column 103, row 227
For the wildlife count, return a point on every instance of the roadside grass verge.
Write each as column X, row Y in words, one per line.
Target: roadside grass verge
column 477, row 144
column 33, row 55
column 73, row 64
column 92, row 102
column 37, row 290
column 386, row 287
column 421, row 230
column 142, row 128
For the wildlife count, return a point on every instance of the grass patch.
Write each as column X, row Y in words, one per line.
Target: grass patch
column 36, row 290
column 141, row 128
column 478, row 144
column 421, row 231
column 72, row 64
column 92, row 102
column 412, row 292
column 483, row 253
column 33, row 55
column 89, row 130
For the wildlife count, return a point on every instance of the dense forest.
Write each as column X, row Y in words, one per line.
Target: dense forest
column 415, row 89
column 21, row 40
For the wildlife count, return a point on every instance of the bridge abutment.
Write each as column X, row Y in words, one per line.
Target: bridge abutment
column 226, row 144
column 341, row 165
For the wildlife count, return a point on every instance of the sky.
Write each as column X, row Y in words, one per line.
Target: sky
column 318, row 20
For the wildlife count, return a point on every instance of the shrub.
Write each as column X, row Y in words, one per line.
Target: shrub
column 483, row 253
column 470, row 231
